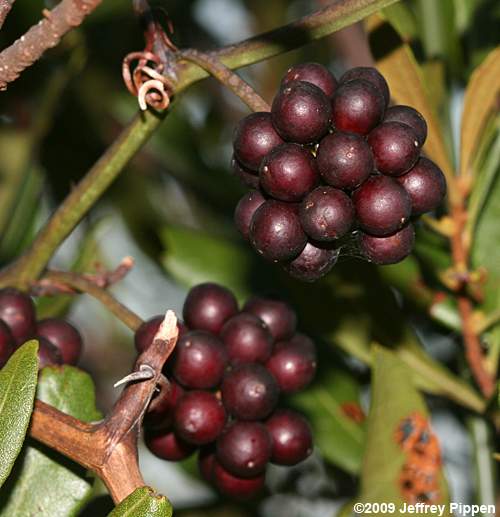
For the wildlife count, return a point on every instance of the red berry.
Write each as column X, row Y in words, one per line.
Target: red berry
column 234, row 487
column 48, row 354
column 280, row 318
column 245, row 209
column 291, row 437
column 344, row 160
column 168, row 446
column 370, row 74
column 63, row 336
column 390, row 249
column 7, row 343
column 206, row 462
column 249, row 392
column 199, row 417
column 145, row 334
column 160, row 412
column 18, row 312
column 301, row 112
column 409, row 116
column 315, row 261
column 246, row 176
column 313, row 73
column 208, row 306
column 382, row 205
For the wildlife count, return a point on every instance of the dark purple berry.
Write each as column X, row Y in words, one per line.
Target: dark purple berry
column 315, row 261
column 370, row 74
column 246, row 207
column 280, row 318
column 382, row 205
column 234, row 487
column 206, row 462
column 395, row 148
column 249, row 392
column 288, row 172
column 63, row 336
column 344, row 160
column 326, row 214
column 293, row 365
column 426, row 185
column 357, row 107
column 244, row 449
column 199, row 360
column 18, row 312
column 160, row 412
column 168, row 446
column 305, row 343
column 276, row 232
column 7, row 343
column 291, row 437
column 199, row 417
column 247, row 339
column 409, row 116
column 246, row 176
column 255, row 137
column 48, row 354
column 301, row 112
column 387, row 250
column 145, row 334
column 208, row 306
column 313, row 73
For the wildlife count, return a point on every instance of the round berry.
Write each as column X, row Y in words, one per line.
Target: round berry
column 199, row 417
column 291, row 437
column 425, row 184
column 293, row 365
column 409, row 116
column 48, row 354
column 395, row 148
column 344, row 160
column 63, row 336
column 313, row 73
column 244, row 449
column 249, row 392
column 326, row 214
column 208, row 306
column 234, row 487
column 387, row 250
column 370, row 74
column 288, row 172
column 7, row 343
column 161, row 408
column 199, row 360
column 357, row 107
column 168, row 446
column 382, row 205
column 315, row 261
column 246, row 176
column 146, row 332
column 276, row 232
column 206, row 462
column 18, row 312
column 246, row 207
column 247, row 339
column 280, row 318
column 301, row 112
column 255, row 137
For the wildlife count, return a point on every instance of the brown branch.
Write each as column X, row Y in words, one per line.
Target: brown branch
column 44, row 35
column 5, row 7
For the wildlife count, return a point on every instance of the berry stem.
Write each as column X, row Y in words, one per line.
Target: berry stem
column 5, row 7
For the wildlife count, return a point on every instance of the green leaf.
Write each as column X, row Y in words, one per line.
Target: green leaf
column 44, row 483
column 17, row 392
column 143, row 502
column 394, row 398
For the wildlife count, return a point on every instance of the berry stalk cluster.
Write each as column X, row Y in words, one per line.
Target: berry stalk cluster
column 226, row 376
column 333, row 163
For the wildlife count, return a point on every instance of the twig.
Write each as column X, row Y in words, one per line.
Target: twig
column 5, row 7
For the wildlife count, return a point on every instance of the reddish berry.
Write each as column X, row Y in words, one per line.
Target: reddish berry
column 315, row 261
column 370, row 74
column 249, row 392
column 280, row 318
column 387, row 250
column 395, row 148
column 199, row 417
column 160, row 412
column 206, row 462
column 247, row 339
column 255, row 137
column 313, row 73
column 291, row 437
column 409, row 116
column 288, row 172
column 301, row 112
column 234, row 487
column 63, row 336
column 48, row 354
column 246, row 176
column 208, row 306
column 382, row 205
column 18, row 312
column 7, row 343
column 326, row 214
column 246, row 207
column 145, row 334
column 244, row 448
column 276, row 232
column 426, row 185
column 357, row 107
column 168, row 446
column 344, row 160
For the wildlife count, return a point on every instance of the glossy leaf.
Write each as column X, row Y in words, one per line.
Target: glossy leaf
column 17, row 392
column 143, row 502
column 41, row 478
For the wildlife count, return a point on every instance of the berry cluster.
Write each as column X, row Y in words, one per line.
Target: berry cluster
column 59, row 342
column 226, row 374
column 332, row 161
